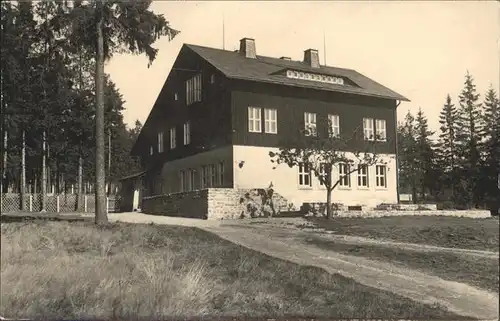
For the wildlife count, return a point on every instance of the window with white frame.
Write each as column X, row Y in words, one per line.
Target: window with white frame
column 368, row 129
column 151, row 150
column 381, row 176
column 183, row 176
column 334, row 122
column 310, row 124
column 187, row 133
column 204, row 176
column 160, row 142
column 254, row 120
column 362, row 176
column 381, row 129
column 192, row 179
column 220, row 174
column 213, row 175
column 344, row 176
column 270, row 121
column 172, row 138
column 193, row 89
column 323, row 174
column 304, row 175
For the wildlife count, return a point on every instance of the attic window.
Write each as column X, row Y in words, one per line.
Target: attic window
column 314, row 77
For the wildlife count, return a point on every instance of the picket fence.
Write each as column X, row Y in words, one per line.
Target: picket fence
column 62, row 203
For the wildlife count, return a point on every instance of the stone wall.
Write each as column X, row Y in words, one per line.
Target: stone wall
column 216, row 203
column 186, row 204
column 379, row 213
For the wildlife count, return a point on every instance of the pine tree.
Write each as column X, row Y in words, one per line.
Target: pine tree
column 447, row 145
column 424, row 154
column 469, row 136
column 491, row 167
column 407, row 155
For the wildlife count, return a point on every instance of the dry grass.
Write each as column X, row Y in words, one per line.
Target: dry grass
column 457, row 232
column 75, row 270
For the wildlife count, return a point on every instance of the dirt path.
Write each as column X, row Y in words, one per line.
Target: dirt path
column 287, row 244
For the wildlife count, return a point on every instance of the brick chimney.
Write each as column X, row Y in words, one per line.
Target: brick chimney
column 247, row 48
column 311, row 58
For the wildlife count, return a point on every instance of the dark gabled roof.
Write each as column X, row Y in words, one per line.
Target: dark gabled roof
column 267, row 69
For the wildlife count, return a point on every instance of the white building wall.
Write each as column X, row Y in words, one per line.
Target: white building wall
column 257, row 172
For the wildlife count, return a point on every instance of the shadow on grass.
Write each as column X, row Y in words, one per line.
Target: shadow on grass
column 78, row 270
column 479, row 272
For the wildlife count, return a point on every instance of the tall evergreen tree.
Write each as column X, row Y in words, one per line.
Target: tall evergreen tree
column 425, row 155
column 469, row 137
column 491, row 168
column 408, row 153
column 447, row 146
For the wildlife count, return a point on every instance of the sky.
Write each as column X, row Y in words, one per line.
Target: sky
column 420, row 49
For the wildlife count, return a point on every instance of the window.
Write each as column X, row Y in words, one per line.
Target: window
column 381, row 129
column 304, row 175
column 220, row 172
column 363, row 176
column 310, row 124
column 323, row 173
column 380, row 176
column 183, row 187
column 270, row 121
column 212, row 78
column 204, row 176
column 193, row 89
column 344, row 176
column 368, row 128
column 150, row 150
column 187, row 133
column 160, row 142
column 176, row 96
column 192, row 181
column 213, row 176
column 334, row 122
column 254, row 120
column 207, row 176
column 172, row 138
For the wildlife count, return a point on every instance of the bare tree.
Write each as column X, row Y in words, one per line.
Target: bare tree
column 318, row 152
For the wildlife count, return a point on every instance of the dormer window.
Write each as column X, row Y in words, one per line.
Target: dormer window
column 314, row 77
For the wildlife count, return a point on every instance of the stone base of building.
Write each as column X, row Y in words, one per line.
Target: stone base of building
column 218, row 203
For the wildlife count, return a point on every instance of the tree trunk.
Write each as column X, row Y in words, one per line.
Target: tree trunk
column 35, row 183
column 101, row 216
column 23, row 171
column 4, row 162
column 329, row 213
column 109, row 162
column 79, row 197
column 44, row 175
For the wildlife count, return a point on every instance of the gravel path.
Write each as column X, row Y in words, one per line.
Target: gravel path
column 287, row 244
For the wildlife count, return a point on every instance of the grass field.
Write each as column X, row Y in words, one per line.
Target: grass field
column 445, row 231
column 475, row 271
column 75, row 270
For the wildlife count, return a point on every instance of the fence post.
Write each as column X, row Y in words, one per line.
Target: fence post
column 107, row 204
column 85, row 203
column 57, row 203
column 31, row 203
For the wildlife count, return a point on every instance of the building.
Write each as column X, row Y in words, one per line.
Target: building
column 220, row 112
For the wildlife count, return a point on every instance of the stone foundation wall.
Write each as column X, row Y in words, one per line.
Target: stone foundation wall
column 216, row 203
column 187, row 204
column 379, row 213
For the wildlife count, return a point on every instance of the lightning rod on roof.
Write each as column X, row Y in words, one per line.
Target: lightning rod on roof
column 223, row 34
column 324, row 47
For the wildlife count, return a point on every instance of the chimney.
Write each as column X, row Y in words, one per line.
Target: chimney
column 285, row 58
column 247, row 48
column 311, row 58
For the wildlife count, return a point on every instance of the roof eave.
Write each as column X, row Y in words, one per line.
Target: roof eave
column 398, row 97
